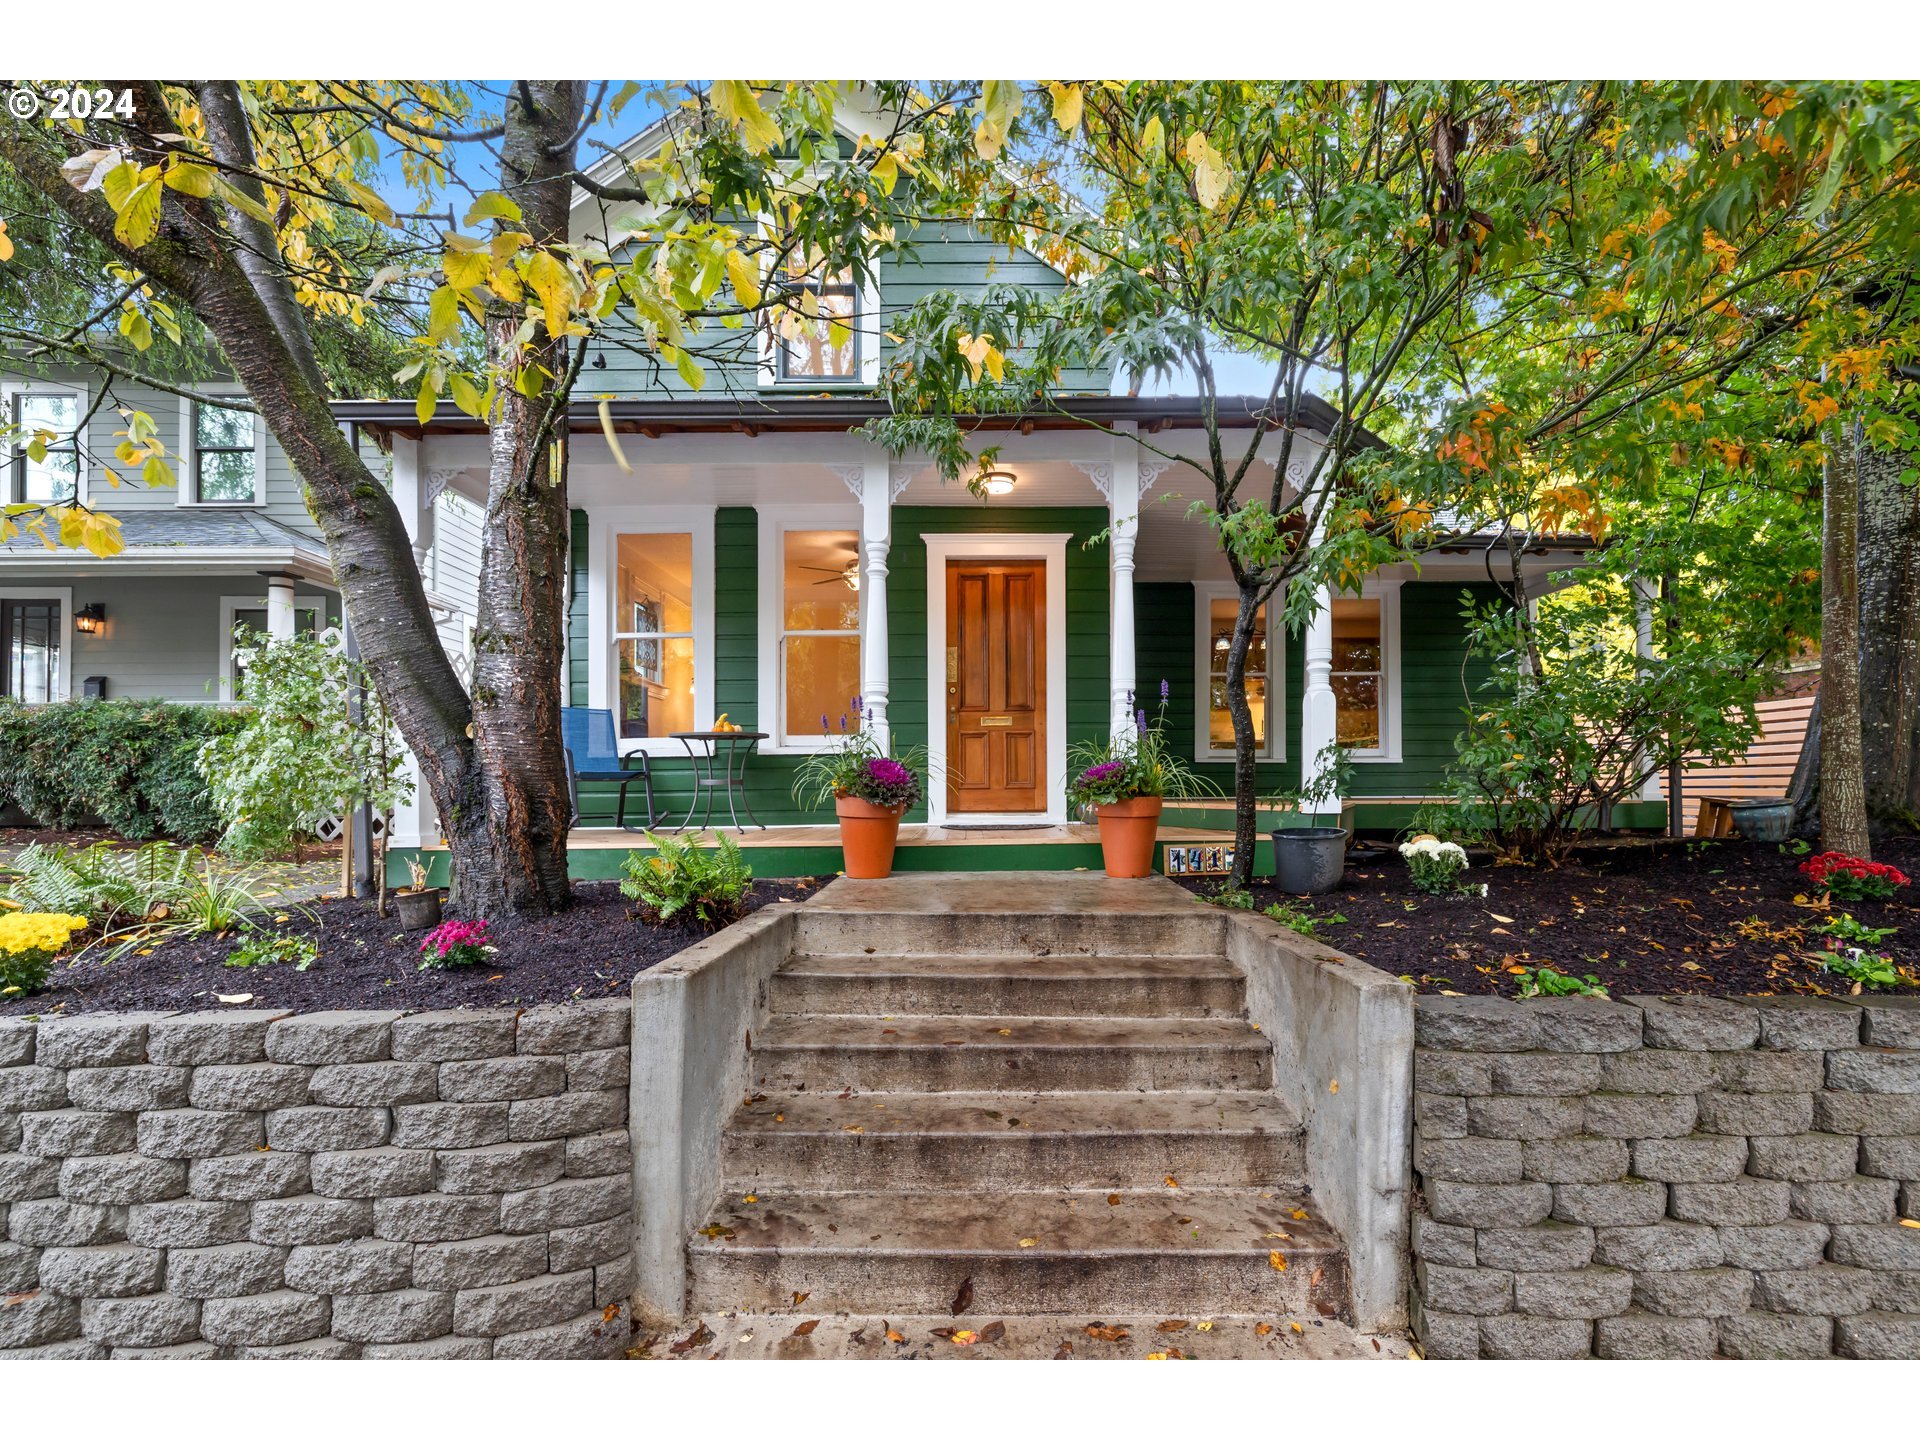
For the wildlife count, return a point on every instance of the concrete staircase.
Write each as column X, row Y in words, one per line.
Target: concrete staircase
column 1043, row 1116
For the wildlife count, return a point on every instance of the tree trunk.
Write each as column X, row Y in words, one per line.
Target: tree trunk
column 1889, row 571
column 516, row 840
column 1246, row 777
column 1843, row 798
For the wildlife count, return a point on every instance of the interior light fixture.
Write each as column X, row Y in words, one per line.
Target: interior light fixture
column 997, row 482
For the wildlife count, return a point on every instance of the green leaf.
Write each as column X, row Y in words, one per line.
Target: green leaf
column 492, row 206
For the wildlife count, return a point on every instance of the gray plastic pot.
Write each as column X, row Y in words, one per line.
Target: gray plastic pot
column 1309, row 861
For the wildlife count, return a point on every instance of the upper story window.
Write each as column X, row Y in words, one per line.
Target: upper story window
column 226, row 456
column 55, row 477
column 817, row 337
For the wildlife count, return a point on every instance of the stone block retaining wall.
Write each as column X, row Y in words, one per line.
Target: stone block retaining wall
column 345, row 1184
column 1678, row 1177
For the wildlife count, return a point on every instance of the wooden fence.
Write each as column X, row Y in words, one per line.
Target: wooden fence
column 1764, row 771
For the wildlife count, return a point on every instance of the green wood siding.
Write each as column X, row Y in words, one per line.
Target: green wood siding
column 577, row 610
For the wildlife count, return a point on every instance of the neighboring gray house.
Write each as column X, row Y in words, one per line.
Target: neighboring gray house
column 230, row 545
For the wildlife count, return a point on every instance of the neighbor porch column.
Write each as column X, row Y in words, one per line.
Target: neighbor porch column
column 1123, row 506
column 876, row 538
column 280, row 607
column 1643, row 591
column 1317, row 728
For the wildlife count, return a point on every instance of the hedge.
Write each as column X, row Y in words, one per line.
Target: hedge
column 128, row 764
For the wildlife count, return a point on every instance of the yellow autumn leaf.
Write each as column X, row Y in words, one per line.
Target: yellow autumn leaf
column 999, row 107
column 737, row 104
column 745, row 277
column 1276, row 1260
column 1209, row 170
column 553, row 283
column 1067, row 104
column 466, row 269
column 443, row 314
column 369, row 201
column 1152, row 135
column 189, row 178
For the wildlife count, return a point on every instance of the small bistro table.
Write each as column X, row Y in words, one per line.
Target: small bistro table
column 720, row 766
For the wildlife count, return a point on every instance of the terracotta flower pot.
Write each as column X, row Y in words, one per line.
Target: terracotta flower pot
column 868, row 833
column 1127, row 831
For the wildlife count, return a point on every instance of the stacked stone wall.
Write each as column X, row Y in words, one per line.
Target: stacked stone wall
column 338, row 1185
column 1667, row 1177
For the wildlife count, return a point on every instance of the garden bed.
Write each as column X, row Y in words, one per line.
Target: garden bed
column 366, row 963
column 1660, row 918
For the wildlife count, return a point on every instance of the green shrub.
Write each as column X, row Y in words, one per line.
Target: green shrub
column 128, row 763
column 712, row 883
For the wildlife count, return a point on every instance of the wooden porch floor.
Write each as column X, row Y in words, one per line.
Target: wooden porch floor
column 793, row 837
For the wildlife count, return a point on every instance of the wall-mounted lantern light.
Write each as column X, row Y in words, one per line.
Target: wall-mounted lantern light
column 90, row 619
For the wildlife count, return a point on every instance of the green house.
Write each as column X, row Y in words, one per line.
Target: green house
column 762, row 564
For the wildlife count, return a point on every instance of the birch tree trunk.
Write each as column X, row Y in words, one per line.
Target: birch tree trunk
column 1843, row 797
column 1889, row 570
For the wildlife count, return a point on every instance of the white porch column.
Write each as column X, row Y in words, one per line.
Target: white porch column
column 280, row 607
column 1643, row 593
column 1317, row 728
column 1123, row 506
column 876, row 539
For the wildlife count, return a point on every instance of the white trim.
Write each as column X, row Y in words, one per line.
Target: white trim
column 187, row 486
column 775, row 522
column 1204, row 593
column 82, row 469
column 605, row 526
column 229, row 606
column 1052, row 549
column 64, row 594
column 1385, row 589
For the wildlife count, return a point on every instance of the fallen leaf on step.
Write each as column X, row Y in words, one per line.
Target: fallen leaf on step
column 1111, row 1333
column 1065, row 1352
column 854, row 1129
column 806, row 1327
column 800, row 1295
column 1299, row 1214
column 1003, row 1032
column 1204, row 1325
column 1376, row 1344
column 1157, row 1355
column 1263, row 1328
column 1297, row 1328
column 1911, row 1224
column 699, row 1337
column 993, row 1333
column 1317, row 1276
column 1167, row 1327
column 1278, row 1235
column 1276, row 1260
column 945, row 1332
column 964, row 1337
column 895, row 1336
column 1113, row 1199
column 717, row 1231
column 1171, row 1183
column 779, row 1119
column 1333, row 1087
column 963, row 1298
column 1028, row 1242
column 751, row 1199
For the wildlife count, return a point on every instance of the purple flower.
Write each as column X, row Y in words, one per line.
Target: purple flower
column 1140, row 720
column 1166, row 691
column 826, row 725
column 856, row 704
column 1096, row 773
column 843, row 724
column 888, row 772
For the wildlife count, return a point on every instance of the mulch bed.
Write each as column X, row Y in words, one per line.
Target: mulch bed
column 1654, row 918
column 589, row 952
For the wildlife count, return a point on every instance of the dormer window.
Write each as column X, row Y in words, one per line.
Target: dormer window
column 816, row 337
column 55, row 477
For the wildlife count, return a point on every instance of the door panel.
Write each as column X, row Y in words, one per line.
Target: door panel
column 996, row 686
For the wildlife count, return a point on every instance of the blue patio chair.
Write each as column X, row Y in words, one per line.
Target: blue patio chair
column 593, row 755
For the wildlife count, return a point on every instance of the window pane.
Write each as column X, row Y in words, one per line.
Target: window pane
column 1357, row 673
column 806, row 342
column 32, row 636
column 226, row 475
column 821, row 581
column 53, row 478
column 305, row 621
column 1220, row 620
column 656, row 687
column 221, row 428
column 822, row 678
column 654, row 593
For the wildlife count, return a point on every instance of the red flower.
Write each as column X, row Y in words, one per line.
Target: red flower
column 1851, row 878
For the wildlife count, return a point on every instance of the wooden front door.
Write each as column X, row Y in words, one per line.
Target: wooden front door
column 996, row 686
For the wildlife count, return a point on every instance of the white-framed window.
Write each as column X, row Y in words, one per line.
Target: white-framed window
column 60, row 475
column 225, row 453
column 1366, row 671
column 827, row 333
column 810, row 623
column 249, row 612
column 1216, row 607
column 36, row 641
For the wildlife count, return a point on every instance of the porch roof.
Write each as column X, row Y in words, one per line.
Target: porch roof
column 758, row 413
column 202, row 540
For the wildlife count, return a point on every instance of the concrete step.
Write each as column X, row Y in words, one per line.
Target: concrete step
column 1169, row 985
column 808, row 1334
column 1019, row 1252
column 993, row 1052
column 1098, row 1140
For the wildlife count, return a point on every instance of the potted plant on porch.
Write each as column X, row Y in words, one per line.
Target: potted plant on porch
column 1123, row 781
column 1311, row 859
column 870, row 790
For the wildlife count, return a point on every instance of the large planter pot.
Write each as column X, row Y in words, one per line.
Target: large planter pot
column 868, row 833
column 1762, row 819
column 419, row 909
column 1126, row 836
column 1309, row 861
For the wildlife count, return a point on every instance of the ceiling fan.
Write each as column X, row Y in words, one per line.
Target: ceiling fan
column 847, row 574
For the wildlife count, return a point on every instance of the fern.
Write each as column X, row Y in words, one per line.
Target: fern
column 686, row 875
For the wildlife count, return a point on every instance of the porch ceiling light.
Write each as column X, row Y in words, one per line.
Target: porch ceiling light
column 997, row 482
